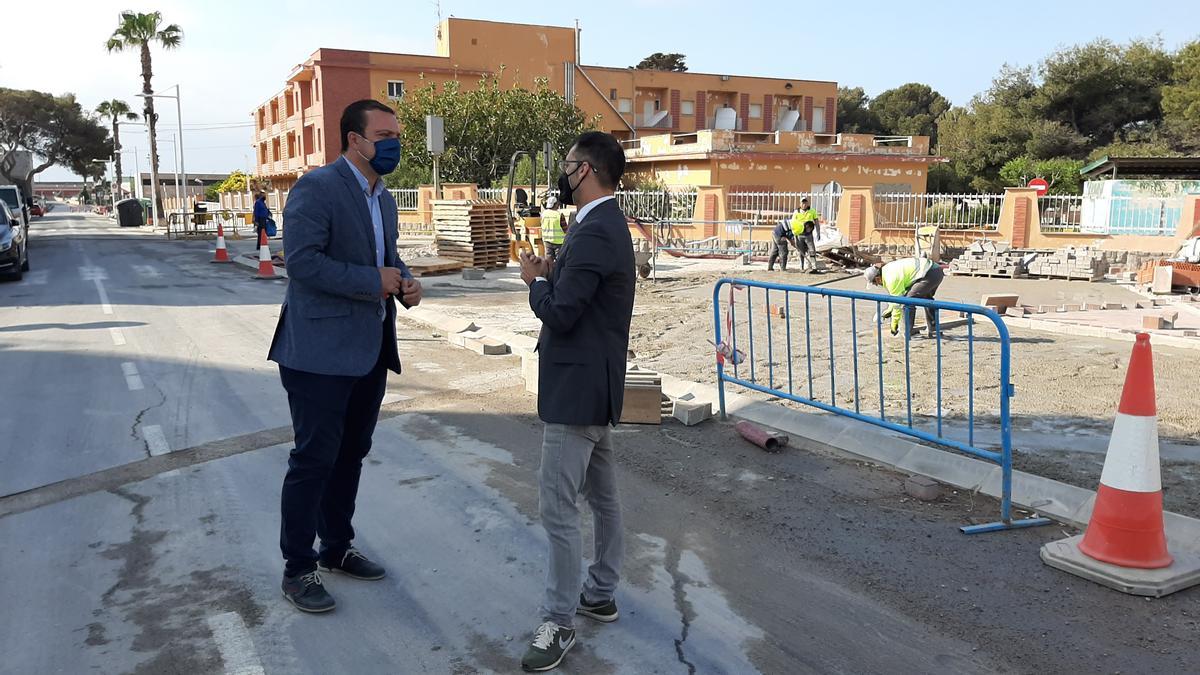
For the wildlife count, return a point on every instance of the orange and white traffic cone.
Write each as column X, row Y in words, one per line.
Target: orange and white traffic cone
column 1125, row 545
column 222, row 254
column 265, row 269
column 1126, row 528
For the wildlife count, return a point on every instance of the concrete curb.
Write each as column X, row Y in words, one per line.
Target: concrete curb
column 253, row 264
column 830, row 433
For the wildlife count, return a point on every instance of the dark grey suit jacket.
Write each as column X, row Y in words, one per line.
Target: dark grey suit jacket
column 332, row 322
column 585, row 308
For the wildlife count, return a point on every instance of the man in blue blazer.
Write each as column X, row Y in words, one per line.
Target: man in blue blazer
column 335, row 342
column 584, row 298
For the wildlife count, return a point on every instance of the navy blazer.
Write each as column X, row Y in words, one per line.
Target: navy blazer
column 586, row 308
column 332, row 321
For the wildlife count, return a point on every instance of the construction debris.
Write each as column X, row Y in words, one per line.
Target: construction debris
column 761, row 437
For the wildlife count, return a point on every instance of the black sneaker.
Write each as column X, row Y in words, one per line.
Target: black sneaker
column 355, row 565
column 307, row 593
column 605, row 612
column 550, row 645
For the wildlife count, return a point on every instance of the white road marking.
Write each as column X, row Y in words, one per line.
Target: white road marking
column 118, row 337
column 156, row 441
column 132, row 379
column 104, row 305
column 235, row 644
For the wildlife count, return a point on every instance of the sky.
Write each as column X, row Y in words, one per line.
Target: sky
column 236, row 54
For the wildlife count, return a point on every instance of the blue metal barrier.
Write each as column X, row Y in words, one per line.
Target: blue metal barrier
column 738, row 357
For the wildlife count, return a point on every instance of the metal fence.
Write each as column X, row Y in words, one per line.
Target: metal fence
column 657, row 205
column 803, row 344
column 406, row 199
column 758, row 207
column 947, row 211
column 1111, row 215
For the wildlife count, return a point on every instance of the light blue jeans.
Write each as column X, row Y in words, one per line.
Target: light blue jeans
column 579, row 460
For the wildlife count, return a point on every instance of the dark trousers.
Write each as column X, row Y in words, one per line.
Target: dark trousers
column 808, row 250
column 552, row 250
column 924, row 287
column 333, row 418
column 779, row 251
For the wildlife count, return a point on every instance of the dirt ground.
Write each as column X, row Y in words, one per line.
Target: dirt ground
column 1066, row 387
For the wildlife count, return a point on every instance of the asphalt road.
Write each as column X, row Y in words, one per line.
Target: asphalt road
column 127, row 549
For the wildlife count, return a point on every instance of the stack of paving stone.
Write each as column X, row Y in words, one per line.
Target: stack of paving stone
column 1087, row 264
column 989, row 259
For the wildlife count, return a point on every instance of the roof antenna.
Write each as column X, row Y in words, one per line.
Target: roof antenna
column 438, row 5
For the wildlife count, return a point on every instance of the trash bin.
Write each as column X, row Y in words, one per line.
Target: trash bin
column 130, row 213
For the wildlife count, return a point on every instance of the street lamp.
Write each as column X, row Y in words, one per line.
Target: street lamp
column 179, row 122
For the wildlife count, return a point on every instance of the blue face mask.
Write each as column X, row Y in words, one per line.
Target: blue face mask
column 387, row 156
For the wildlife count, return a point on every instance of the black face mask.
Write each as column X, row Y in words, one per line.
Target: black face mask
column 565, row 191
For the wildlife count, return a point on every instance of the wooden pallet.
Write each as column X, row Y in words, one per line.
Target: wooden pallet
column 472, row 231
column 433, row 266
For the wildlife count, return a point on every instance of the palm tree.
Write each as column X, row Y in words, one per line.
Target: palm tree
column 117, row 110
column 139, row 31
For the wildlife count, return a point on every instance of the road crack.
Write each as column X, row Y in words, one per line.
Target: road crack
column 687, row 613
column 137, row 420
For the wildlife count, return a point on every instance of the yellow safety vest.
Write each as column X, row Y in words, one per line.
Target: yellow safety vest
column 800, row 219
column 552, row 232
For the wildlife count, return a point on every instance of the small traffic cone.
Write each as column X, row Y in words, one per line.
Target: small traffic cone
column 222, row 254
column 1126, row 527
column 265, row 269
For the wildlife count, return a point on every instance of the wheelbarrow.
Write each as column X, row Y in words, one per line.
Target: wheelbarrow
column 641, row 262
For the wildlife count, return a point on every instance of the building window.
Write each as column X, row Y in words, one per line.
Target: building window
column 755, row 111
column 612, row 94
column 625, row 105
column 395, row 89
column 320, row 141
column 687, row 108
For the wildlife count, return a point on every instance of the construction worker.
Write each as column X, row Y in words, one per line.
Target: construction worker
column 781, row 235
column 805, row 228
column 553, row 234
column 909, row 277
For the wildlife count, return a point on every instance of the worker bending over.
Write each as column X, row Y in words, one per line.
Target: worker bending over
column 805, row 228
column 781, row 235
column 909, row 277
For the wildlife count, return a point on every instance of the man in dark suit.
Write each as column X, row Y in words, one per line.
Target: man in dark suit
column 335, row 342
column 585, row 301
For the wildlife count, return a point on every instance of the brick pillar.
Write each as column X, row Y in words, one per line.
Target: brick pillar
column 768, row 112
column 808, row 106
column 675, row 109
column 744, row 111
column 830, row 115
column 856, row 218
column 1020, row 237
column 701, row 109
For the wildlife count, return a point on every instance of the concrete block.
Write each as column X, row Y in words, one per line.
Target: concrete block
column 691, row 413
column 1113, row 305
column 1191, row 333
column 1183, row 573
column 1144, row 304
column 1092, row 306
column 1047, row 309
column 472, row 274
column 487, row 346
column 1071, row 308
column 1001, row 300
column 1015, row 311
column 1170, row 317
column 1163, row 276
column 1153, row 323
column 923, row 487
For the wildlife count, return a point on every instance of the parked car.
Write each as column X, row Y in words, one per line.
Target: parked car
column 11, row 195
column 14, row 244
column 36, row 210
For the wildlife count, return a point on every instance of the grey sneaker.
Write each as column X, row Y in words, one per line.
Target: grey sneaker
column 307, row 593
column 550, row 645
column 604, row 612
column 355, row 565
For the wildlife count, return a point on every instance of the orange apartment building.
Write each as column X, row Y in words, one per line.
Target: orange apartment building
column 297, row 129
